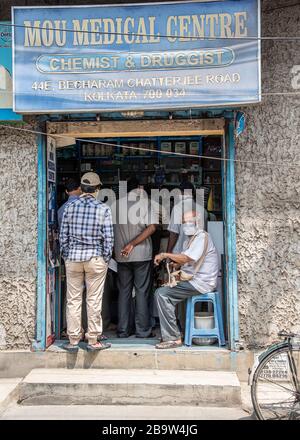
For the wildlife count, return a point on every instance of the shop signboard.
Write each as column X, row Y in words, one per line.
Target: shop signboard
column 6, row 94
column 136, row 57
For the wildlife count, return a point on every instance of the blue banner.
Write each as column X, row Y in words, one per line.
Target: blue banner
column 136, row 57
column 6, row 93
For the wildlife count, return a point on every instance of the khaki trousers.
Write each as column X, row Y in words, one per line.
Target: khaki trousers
column 93, row 274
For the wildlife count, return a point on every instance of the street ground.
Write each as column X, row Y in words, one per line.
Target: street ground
column 87, row 412
column 10, row 410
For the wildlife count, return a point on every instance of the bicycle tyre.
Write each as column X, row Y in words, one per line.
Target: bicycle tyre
column 283, row 349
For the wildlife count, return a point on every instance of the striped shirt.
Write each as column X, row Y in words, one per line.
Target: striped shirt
column 86, row 230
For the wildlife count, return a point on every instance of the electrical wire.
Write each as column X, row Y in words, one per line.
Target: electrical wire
column 151, row 150
column 136, row 34
column 204, row 94
column 173, row 36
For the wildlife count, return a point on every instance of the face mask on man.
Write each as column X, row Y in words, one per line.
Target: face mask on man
column 189, row 228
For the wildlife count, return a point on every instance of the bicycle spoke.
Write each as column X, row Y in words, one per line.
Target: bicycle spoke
column 285, row 401
column 279, row 385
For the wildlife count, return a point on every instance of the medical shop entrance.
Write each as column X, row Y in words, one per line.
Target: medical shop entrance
column 161, row 154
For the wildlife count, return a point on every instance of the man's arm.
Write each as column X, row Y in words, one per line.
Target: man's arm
column 139, row 239
column 144, row 235
column 64, row 235
column 180, row 259
column 173, row 237
column 108, row 235
column 193, row 253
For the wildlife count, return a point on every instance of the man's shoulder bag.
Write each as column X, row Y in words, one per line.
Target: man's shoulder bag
column 180, row 275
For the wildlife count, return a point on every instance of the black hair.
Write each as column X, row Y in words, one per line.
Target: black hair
column 187, row 187
column 184, row 178
column 72, row 185
column 88, row 189
column 132, row 184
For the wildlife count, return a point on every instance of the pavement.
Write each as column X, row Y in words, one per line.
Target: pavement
column 10, row 410
column 8, row 394
column 133, row 412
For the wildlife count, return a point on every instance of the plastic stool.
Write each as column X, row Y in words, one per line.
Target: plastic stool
column 192, row 332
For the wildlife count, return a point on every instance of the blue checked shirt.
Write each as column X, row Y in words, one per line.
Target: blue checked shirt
column 86, row 230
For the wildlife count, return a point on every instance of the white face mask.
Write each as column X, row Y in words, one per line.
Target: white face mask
column 189, row 228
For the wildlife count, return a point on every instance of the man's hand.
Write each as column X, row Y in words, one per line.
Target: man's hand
column 175, row 266
column 126, row 251
column 158, row 258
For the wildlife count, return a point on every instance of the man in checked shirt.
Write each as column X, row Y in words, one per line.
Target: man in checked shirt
column 86, row 240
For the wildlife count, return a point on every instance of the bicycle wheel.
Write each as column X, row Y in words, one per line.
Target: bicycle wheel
column 275, row 387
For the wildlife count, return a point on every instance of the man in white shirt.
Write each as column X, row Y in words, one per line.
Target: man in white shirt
column 203, row 278
column 185, row 204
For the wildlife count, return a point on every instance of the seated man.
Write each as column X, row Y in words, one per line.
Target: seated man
column 199, row 262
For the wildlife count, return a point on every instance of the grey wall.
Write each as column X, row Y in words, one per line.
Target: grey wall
column 18, row 219
column 268, row 197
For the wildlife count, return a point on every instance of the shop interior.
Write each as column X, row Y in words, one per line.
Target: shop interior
column 157, row 168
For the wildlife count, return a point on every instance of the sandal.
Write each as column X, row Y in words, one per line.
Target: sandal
column 71, row 348
column 98, row 346
column 99, row 338
column 168, row 344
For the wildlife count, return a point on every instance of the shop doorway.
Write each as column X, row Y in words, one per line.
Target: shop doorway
column 159, row 166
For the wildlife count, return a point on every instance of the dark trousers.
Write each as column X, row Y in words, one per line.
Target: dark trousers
column 166, row 300
column 137, row 275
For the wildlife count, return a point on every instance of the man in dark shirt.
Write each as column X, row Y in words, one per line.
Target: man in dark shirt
column 73, row 191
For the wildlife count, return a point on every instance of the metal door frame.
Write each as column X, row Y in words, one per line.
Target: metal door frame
column 229, row 239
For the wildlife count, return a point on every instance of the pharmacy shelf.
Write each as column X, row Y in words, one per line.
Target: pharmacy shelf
column 211, row 184
column 97, row 157
column 210, row 170
column 67, row 172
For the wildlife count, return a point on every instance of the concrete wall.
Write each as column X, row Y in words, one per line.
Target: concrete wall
column 18, row 233
column 268, row 197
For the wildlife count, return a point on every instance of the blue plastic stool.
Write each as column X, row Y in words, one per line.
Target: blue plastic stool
column 192, row 332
